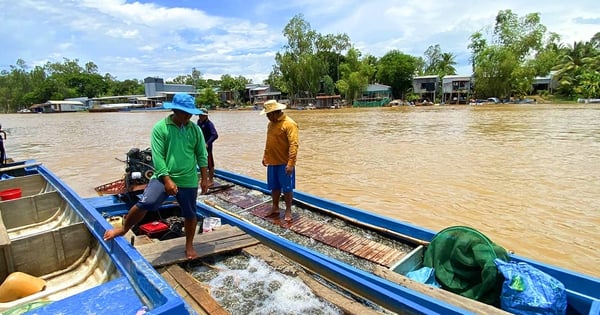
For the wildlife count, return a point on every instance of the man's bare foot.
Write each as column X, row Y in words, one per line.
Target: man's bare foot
column 110, row 234
column 191, row 254
column 288, row 216
column 274, row 211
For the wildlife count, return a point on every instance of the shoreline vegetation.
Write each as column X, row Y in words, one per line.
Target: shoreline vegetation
column 312, row 64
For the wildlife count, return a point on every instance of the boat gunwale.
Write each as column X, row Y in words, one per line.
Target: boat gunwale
column 151, row 288
column 584, row 299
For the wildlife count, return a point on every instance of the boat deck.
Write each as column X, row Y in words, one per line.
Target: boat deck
column 224, row 239
column 320, row 231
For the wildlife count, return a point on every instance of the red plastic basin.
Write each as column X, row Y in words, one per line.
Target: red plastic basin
column 10, row 194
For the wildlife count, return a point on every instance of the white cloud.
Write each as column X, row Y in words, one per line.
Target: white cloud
column 136, row 40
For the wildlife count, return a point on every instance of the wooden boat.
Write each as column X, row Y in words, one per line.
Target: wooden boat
column 346, row 284
column 385, row 284
column 49, row 235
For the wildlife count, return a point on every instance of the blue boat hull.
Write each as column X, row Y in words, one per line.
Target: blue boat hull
column 583, row 292
column 139, row 287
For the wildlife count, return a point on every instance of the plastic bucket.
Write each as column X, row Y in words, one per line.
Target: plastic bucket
column 10, row 194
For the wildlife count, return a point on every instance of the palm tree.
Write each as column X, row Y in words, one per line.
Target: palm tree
column 446, row 64
column 570, row 66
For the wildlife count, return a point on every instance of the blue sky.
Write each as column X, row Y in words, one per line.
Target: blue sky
column 164, row 38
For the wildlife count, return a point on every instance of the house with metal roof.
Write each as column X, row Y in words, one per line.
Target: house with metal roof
column 426, row 87
column 546, row 83
column 157, row 90
column 456, row 89
column 258, row 94
column 374, row 95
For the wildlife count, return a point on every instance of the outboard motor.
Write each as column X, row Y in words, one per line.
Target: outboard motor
column 139, row 168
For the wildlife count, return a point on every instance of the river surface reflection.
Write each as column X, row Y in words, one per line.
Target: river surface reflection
column 527, row 176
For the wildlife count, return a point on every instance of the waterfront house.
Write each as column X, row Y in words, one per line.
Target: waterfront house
column 374, row 95
column 546, row 83
column 456, row 89
column 258, row 94
column 426, row 87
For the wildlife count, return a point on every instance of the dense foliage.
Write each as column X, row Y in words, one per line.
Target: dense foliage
column 505, row 62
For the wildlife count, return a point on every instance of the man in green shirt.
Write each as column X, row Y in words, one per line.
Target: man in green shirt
column 178, row 148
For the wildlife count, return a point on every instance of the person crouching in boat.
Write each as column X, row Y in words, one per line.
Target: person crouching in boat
column 279, row 157
column 178, row 148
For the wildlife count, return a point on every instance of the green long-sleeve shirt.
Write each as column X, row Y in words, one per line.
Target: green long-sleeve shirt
column 177, row 152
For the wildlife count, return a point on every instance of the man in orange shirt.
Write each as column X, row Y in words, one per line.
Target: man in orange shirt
column 281, row 149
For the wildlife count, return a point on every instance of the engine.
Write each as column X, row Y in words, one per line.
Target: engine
column 139, row 168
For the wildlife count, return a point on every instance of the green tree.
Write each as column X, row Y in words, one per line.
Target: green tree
column 355, row 76
column 236, row 85
column 575, row 61
column 397, row 69
column 308, row 57
column 207, row 98
column 503, row 68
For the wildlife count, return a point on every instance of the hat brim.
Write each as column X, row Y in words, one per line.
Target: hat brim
column 192, row 111
column 278, row 107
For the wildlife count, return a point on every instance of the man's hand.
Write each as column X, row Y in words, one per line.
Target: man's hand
column 204, row 184
column 289, row 169
column 170, row 186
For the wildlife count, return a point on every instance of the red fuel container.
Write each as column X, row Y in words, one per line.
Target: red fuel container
column 154, row 229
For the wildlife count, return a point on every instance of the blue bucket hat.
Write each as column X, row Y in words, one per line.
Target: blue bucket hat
column 183, row 102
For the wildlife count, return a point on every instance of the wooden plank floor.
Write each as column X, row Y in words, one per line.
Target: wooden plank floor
column 223, row 239
column 319, row 231
column 192, row 291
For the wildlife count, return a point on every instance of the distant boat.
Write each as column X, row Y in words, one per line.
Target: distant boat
column 588, row 100
column 58, row 107
column 116, row 107
column 123, row 107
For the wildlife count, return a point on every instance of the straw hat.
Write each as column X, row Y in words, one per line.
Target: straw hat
column 271, row 106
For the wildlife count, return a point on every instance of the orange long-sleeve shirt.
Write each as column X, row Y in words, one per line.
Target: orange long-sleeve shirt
column 282, row 142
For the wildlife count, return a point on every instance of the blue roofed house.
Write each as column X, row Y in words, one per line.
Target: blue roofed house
column 374, row 95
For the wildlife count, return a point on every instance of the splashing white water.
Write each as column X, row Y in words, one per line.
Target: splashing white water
column 259, row 289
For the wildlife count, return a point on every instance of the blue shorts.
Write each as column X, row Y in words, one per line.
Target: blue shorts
column 155, row 194
column 278, row 179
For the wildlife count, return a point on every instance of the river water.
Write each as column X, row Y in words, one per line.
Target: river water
column 527, row 176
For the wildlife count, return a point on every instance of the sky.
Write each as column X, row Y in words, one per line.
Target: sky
column 168, row 38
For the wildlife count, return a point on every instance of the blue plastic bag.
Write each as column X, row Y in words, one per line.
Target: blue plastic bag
column 528, row 290
column 424, row 275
